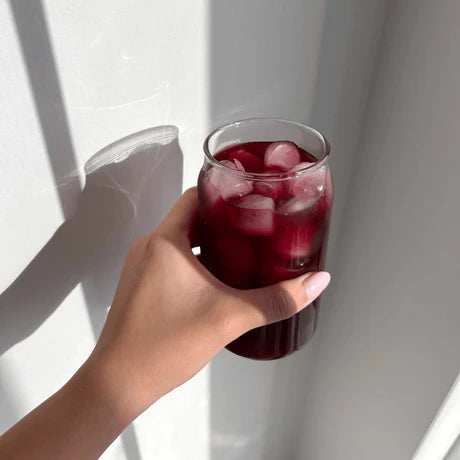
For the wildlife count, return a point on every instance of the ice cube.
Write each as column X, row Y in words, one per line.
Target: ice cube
column 312, row 183
column 325, row 203
column 297, row 204
column 254, row 201
column 329, row 187
column 229, row 164
column 282, row 155
column 210, row 192
column 253, row 215
column 238, row 165
column 296, row 241
column 229, row 185
column 273, row 189
column 251, row 162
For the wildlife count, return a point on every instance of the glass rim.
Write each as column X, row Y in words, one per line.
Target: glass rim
column 266, row 176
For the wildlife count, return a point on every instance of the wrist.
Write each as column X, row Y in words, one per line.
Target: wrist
column 114, row 386
column 78, row 421
column 98, row 383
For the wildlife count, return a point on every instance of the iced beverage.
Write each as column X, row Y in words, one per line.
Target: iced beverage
column 265, row 209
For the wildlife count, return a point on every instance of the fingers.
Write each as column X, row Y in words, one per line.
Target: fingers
column 182, row 219
column 282, row 300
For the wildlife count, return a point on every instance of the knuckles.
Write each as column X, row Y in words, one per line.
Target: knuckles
column 190, row 192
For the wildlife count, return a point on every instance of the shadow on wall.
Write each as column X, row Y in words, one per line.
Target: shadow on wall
column 281, row 68
column 38, row 56
column 130, row 185
column 8, row 405
column 263, row 63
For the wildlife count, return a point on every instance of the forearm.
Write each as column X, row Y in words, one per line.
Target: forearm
column 78, row 422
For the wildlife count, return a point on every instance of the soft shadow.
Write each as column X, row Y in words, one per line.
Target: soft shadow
column 454, row 451
column 239, row 391
column 255, row 406
column 130, row 185
column 37, row 51
column 261, row 63
column 119, row 202
column 8, row 407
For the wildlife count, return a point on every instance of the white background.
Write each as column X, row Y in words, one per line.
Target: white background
column 380, row 79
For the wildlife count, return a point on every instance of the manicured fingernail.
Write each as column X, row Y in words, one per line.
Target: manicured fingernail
column 315, row 283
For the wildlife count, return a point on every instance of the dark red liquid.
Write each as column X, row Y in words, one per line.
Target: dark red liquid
column 259, row 232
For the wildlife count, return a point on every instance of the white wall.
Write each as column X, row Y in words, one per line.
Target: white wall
column 76, row 76
column 454, row 453
column 264, row 57
column 387, row 349
column 310, row 61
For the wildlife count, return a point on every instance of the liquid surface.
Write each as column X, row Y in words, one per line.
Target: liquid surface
column 259, row 232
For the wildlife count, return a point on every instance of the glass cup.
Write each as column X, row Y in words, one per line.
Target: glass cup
column 265, row 196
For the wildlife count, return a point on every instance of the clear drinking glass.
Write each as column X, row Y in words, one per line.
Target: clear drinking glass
column 265, row 197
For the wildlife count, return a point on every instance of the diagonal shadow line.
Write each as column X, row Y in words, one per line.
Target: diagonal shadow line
column 454, row 451
column 37, row 51
column 38, row 58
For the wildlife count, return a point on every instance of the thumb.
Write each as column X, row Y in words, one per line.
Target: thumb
column 282, row 300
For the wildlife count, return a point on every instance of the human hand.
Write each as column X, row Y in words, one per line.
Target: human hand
column 170, row 316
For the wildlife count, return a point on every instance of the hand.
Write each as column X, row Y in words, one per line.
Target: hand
column 170, row 316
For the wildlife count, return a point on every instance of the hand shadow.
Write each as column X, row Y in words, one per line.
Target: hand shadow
column 130, row 185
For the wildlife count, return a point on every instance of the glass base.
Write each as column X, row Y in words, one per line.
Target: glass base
column 279, row 339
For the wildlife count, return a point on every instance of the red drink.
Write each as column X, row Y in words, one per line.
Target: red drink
column 265, row 209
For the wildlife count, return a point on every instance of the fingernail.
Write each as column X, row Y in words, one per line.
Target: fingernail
column 315, row 283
